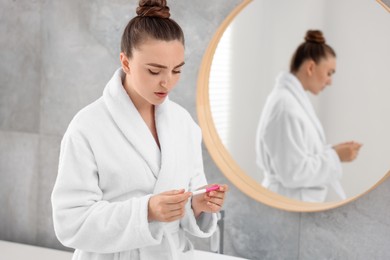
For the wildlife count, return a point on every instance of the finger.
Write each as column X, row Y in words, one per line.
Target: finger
column 355, row 145
column 216, row 194
column 221, row 192
column 172, row 208
column 223, row 187
column 214, row 198
column 176, row 206
column 177, row 211
column 218, row 202
column 173, row 192
column 175, row 215
column 174, row 199
column 214, row 207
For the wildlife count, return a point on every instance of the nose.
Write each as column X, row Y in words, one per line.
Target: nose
column 165, row 80
column 164, row 84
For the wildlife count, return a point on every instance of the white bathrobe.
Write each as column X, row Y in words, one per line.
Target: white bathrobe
column 291, row 147
column 109, row 167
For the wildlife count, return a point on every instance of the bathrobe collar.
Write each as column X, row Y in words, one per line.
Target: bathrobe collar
column 167, row 130
column 287, row 80
column 134, row 128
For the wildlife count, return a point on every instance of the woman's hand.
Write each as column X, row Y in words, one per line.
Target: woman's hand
column 168, row 206
column 210, row 201
column 347, row 151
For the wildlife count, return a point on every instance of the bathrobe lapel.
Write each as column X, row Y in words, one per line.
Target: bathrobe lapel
column 293, row 85
column 130, row 122
column 167, row 131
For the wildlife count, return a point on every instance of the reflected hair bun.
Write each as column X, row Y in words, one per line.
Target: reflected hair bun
column 314, row 36
column 153, row 8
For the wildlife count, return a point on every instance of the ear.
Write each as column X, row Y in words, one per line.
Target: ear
column 310, row 67
column 125, row 63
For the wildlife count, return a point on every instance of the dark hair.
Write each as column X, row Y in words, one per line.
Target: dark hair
column 152, row 22
column 313, row 48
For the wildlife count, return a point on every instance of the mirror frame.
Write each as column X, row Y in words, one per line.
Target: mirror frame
column 221, row 155
column 384, row 5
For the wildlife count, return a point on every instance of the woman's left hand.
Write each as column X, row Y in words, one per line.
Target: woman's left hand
column 210, row 201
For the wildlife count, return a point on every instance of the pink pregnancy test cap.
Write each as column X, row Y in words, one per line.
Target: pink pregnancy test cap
column 212, row 188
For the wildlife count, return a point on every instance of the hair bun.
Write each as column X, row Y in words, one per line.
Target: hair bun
column 153, row 8
column 315, row 36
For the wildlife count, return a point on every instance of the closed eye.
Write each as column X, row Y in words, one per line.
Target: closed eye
column 176, row 71
column 153, row 72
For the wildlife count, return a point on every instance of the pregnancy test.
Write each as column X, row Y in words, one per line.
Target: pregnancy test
column 212, row 188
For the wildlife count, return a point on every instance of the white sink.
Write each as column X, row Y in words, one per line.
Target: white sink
column 16, row 251
column 211, row 256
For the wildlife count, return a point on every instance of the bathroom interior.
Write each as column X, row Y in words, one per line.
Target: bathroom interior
column 234, row 50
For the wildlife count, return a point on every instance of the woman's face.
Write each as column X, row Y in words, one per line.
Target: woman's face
column 154, row 70
column 321, row 75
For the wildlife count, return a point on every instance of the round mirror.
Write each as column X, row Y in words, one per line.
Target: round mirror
column 238, row 72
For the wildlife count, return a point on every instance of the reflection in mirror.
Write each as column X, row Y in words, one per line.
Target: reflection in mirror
column 291, row 147
column 258, row 44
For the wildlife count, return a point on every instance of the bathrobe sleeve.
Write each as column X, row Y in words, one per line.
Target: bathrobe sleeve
column 205, row 225
column 83, row 220
column 295, row 165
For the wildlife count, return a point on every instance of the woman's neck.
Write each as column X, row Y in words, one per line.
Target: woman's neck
column 301, row 77
column 142, row 105
column 145, row 109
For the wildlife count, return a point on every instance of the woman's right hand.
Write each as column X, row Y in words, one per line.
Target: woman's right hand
column 168, row 206
column 348, row 151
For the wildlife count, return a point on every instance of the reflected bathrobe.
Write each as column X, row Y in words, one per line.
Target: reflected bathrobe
column 291, row 148
column 109, row 167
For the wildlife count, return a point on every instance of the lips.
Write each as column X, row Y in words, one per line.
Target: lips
column 161, row 94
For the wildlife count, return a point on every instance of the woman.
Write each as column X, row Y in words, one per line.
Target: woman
column 129, row 161
column 291, row 146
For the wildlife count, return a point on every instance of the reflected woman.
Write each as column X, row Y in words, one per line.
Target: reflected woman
column 290, row 144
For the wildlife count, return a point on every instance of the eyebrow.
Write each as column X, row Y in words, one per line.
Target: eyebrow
column 164, row 67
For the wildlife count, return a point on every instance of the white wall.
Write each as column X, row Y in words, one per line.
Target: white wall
column 357, row 105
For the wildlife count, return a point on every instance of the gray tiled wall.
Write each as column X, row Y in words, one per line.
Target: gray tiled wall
column 19, row 167
column 20, row 55
column 56, row 57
